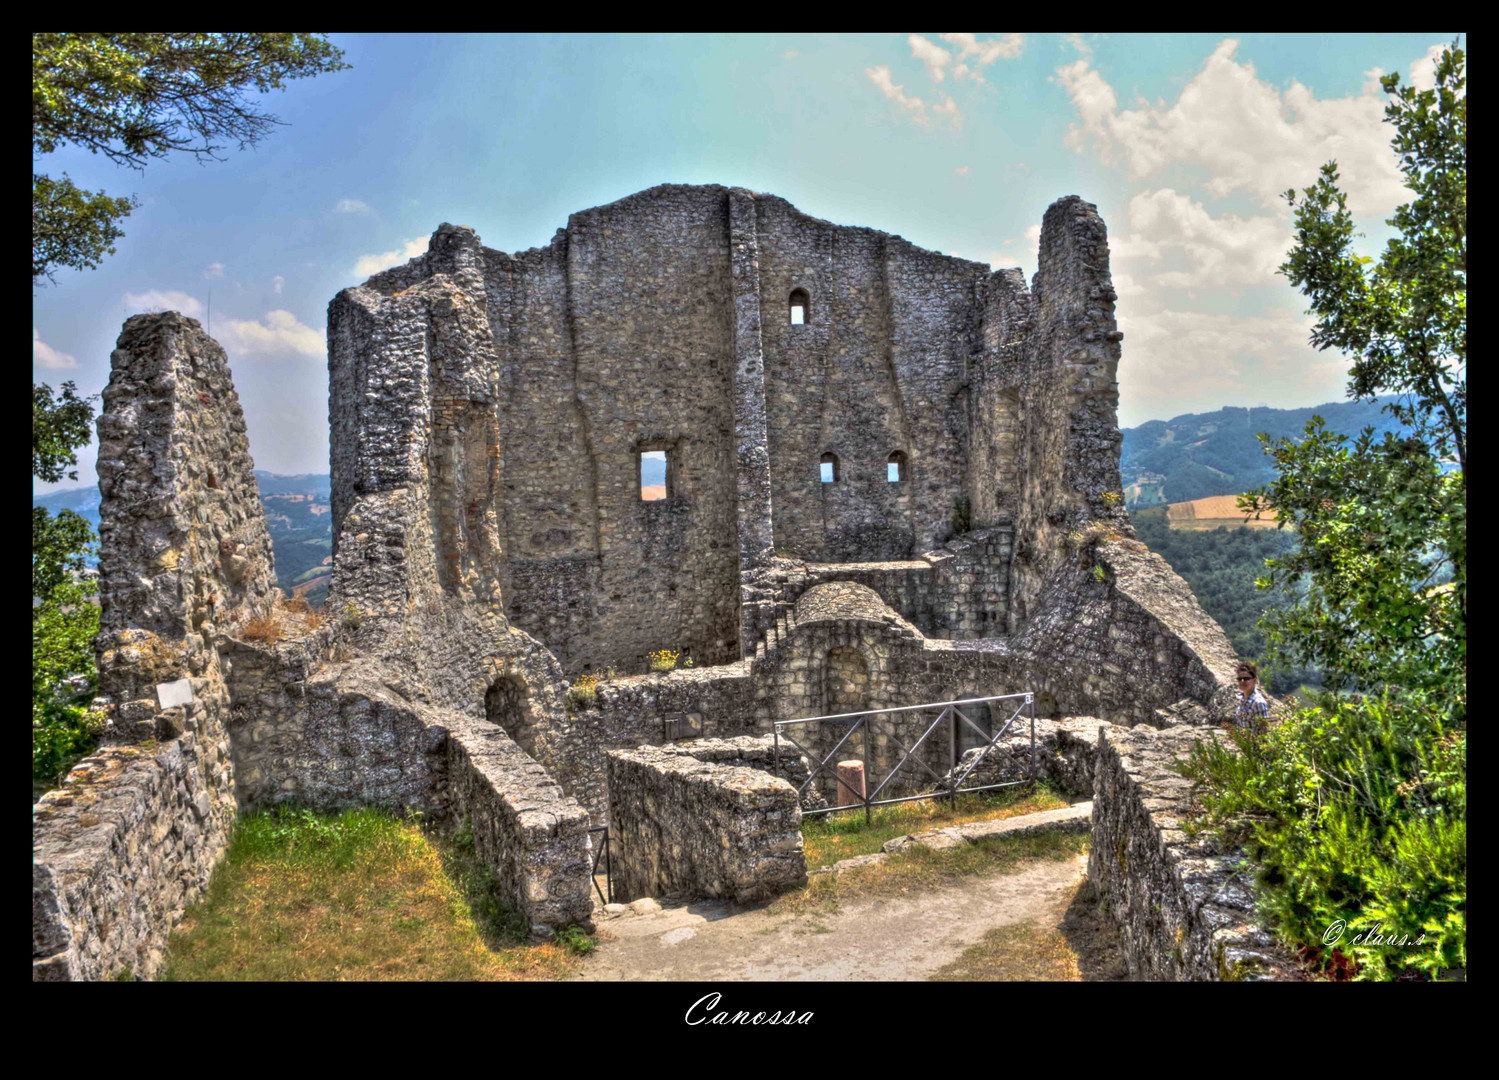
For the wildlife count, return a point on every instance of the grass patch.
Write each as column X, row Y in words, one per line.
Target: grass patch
column 919, row 869
column 829, row 838
column 354, row 896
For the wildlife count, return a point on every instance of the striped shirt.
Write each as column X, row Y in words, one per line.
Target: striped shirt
column 1252, row 712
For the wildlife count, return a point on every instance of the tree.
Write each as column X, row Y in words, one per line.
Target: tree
column 1381, row 522
column 133, row 97
column 64, row 619
column 1356, row 807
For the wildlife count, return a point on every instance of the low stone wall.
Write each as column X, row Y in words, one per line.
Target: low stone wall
column 1185, row 908
column 118, row 852
column 534, row 836
column 683, row 825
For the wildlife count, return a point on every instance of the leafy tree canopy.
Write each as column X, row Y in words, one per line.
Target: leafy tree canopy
column 132, row 97
column 1382, row 521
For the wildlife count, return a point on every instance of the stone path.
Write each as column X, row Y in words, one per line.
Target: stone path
column 903, row 937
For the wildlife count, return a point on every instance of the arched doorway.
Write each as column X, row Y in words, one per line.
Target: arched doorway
column 508, row 704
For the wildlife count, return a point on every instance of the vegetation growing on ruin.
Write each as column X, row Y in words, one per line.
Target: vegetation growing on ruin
column 1357, row 806
column 360, row 895
column 663, row 659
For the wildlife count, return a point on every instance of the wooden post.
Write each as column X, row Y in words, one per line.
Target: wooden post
column 851, row 775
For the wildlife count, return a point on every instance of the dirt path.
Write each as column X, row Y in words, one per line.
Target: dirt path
column 905, row 937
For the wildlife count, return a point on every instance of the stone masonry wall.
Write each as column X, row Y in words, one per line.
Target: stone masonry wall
column 1185, row 908
column 682, row 825
column 132, row 835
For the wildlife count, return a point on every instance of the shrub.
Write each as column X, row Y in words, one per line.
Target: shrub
column 584, row 691
column 351, row 616
column 265, row 629
column 1356, row 810
column 297, row 604
column 663, row 659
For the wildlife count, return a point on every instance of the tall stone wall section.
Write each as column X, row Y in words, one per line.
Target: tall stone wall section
column 132, row 835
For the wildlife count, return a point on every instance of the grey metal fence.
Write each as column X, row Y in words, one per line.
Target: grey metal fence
column 949, row 713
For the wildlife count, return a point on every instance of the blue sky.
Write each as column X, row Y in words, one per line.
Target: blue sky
column 957, row 142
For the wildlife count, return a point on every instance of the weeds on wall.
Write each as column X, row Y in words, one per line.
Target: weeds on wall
column 264, row 629
column 665, row 659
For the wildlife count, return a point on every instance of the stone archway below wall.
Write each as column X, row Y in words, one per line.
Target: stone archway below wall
column 508, row 704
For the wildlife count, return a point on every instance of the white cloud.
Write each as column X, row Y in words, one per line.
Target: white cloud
column 278, row 332
column 277, row 283
column 932, row 55
column 949, row 109
column 1247, row 135
column 1423, row 72
column 983, row 53
column 790, row 54
column 880, row 76
column 1188, row 361
column 373, row 264
column 1077, row 42
column 164, row 300
column 352, row 206
column 1004, row 260
column 1220, row 251
column 45, row 356
column 214, row 271
column 961, row 170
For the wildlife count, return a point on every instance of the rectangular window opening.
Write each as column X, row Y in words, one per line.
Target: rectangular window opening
column 652, row 475
column 798, row 314
column 827, row 472
column 892, row 472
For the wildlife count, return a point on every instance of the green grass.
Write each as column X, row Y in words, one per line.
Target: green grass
column 827, row 839
column 360, row 895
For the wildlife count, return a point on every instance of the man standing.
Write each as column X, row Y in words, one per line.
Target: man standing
column 1253, row 706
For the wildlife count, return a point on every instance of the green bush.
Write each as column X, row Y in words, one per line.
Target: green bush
column 1356, row 811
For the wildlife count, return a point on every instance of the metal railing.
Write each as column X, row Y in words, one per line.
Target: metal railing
column 951, row 714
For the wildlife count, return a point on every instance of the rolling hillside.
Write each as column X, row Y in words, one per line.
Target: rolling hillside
column 1196, row 455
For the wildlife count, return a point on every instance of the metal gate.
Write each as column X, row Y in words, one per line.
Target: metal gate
column 950, row 713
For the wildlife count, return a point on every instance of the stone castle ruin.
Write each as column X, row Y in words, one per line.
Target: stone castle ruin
column 890, row 476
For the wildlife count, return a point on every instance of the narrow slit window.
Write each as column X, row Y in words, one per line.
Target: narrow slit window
column 895, row 468
column 652, row 475
column 829, row 468
column 800, row 307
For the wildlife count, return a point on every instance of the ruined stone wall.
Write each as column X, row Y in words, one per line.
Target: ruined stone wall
column 132, row 835
column 1066, row 394
column 878, row 367
column 680, row 824
column 1185, row 908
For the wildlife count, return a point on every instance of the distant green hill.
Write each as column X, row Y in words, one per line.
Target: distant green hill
column 1200, row 454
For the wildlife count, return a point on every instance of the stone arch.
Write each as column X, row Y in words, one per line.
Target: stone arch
column 845, row 680
column 828, row 468
column 508, row 704
column 897, row 469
